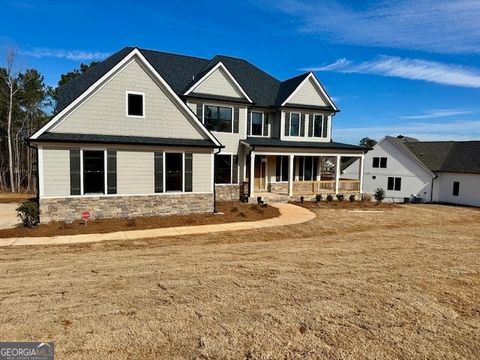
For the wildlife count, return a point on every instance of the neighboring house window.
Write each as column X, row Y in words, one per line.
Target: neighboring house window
column 320, row 126
column 294, row 124
column 93, row 172
column 456, row 188
column 226, row 169
column 394, row 183
column 379, row 162
column 257, row 124
column 218, row 118
column 135, row 104
column 282, row 168
column 173, row 172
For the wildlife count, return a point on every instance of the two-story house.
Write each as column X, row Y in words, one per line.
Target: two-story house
column 151, row 133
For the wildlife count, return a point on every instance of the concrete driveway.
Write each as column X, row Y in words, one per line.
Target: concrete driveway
column 8, row 215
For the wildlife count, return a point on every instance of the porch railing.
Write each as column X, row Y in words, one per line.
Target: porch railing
column 325, row 186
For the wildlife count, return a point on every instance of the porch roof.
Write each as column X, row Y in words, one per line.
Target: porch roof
column 272, row 142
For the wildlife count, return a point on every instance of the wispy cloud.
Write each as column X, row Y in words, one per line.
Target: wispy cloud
column 438, row 113
column 441, row 26
column 76, row 55
column 452, row 130
column 413, row 69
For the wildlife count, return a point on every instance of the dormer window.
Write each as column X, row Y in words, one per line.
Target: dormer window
column 320, row 125
column 135, row 104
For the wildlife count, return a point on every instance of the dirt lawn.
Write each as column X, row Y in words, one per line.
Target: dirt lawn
column 399, row 284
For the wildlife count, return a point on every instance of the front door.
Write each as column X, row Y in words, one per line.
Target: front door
column 260, row 173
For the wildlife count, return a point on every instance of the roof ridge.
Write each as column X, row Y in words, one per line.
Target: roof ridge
column 171, row 53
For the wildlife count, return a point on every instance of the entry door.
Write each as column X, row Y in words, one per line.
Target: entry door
column 260, row 173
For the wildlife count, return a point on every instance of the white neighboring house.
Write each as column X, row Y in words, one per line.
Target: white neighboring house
column 435, row 171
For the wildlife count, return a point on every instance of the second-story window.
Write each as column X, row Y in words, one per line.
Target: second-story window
column 257, row 125
column 135, row 104
column 294, row 124
column 318, row 125
column 218, row 118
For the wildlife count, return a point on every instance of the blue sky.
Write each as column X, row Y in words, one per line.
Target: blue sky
column 409, row 67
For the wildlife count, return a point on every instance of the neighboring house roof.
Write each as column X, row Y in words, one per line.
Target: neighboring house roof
column 120, row 139
column 444, row 156
column 181, row 72
column 271, row 142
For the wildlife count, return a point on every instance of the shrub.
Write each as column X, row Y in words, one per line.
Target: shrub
column 29, row 213
column 351, row 198
column 366, row 197
column 329, row 197
column 318, row 198
column 379, row 195
column 340, row 197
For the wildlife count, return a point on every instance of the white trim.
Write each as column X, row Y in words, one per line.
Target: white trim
column 210, row 72
column 263, row 124
column 320, row 87
column 219, row 106
column 128, row 92
column 40, row 172
column 93, row 87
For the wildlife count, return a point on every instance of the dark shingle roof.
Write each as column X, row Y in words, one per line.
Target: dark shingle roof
column 271, row 142
column 444, row 156
column 181, row 72
column 120, row 139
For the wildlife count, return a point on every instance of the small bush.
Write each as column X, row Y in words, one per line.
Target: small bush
column 379, row 195
column 318, row 198
column 29, row 213
column 329, row 197
column 366, row 197
column 351, row 198
column 340, row 197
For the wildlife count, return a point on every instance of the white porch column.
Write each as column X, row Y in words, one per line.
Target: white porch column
column 290, row 175
column 337, row 174
column 362, row 161
column 252, row 173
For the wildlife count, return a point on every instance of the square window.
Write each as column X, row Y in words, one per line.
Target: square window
column 134, row 104
column 374, row 177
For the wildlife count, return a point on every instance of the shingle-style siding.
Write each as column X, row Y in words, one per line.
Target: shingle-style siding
column 218, row 84
column 135, row 172
column 105, row 111
column 308, row 95
column 202, row 172
column 56, row 172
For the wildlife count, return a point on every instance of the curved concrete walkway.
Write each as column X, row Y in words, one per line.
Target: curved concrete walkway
column 289, row 215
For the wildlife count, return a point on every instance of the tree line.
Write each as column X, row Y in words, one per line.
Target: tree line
column 26, row 104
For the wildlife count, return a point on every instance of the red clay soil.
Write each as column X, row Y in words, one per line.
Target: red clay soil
column 232, row 212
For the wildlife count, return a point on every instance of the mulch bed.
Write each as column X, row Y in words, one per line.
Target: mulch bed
column 232, row 212
column 347, row 205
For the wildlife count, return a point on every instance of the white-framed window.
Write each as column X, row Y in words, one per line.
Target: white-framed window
column 135, row 104
column 257, row 124
column 294, row 124
column 226, row 169
column 218, row 118
column 320, row 125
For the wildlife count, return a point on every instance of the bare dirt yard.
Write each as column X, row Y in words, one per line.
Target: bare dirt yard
column 398, row 283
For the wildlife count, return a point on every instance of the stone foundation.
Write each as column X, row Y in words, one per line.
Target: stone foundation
column 228, row 192
column 279, row 188
column 70, row 209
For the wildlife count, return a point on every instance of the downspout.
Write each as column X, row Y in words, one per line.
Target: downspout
column 431, row 188
column 214, row 188
column 37, row 179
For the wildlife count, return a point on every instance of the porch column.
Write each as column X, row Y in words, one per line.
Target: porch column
column 362, row 161
column 290, row 175
column 337, row 174
column 251, row 180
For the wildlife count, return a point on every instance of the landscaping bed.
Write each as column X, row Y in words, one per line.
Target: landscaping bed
column 232, row 212
column 369, row 205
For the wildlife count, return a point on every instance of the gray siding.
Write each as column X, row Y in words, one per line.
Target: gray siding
column 56, row 172
column 105, row 111
column 135, row 172
column 218, row 84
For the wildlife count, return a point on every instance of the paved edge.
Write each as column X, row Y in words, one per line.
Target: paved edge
column 289, row 215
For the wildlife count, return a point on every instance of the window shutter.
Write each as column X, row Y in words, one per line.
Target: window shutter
column 75, row 172
column 249, row 122
column 188, row 172
column 158, row 165
column 302, row 125
column 265, row 124
column 287, row 124
column 111, row 172
column 311, row 120
column 278, row 168
column 235, row 119
column 235, row 169
column 200, row 112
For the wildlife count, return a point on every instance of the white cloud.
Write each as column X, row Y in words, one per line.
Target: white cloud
column 76, row 55
column 441, row 26
column 453, row 130
column 438, row 113
column 413, row 69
